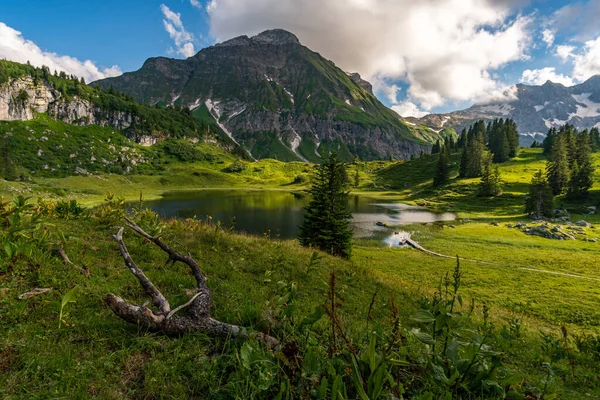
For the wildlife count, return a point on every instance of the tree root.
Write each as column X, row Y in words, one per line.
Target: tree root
column 197, row 316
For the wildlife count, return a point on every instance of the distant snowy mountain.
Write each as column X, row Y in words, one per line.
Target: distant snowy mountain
column 535, row 110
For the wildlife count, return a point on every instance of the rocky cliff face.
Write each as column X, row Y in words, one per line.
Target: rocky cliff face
column 276, row 98
column 535, row 109
column 22, row 98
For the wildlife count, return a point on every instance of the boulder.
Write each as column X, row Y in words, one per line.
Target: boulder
column 584, row 224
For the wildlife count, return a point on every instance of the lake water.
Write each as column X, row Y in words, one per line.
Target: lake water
column 279, row 214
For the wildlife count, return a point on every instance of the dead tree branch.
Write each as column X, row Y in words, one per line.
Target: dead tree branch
column 197, row 316
column 63, row 255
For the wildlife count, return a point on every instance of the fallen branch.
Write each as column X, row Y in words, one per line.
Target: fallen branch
column 33, row 292
column 197, row 316
column 61, row 252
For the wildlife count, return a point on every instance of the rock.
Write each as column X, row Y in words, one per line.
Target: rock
column 584, row 224
column 591, row 209
column 592, row 240
column 521, row 225
column 81, row 171
column 451, row 226
column 495, row 223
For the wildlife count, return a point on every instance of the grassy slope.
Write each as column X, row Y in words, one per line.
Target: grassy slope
column 542, row 300
column 98, row 355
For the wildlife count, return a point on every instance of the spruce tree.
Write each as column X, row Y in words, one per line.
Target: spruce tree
column 491, row 184
column 327, row 220
column 549, row 141
column 512, row 135
column 557, row 168
column 540, row 200
column 583, row 169
column 464, row 162
column 475, row 151
column 436, row 147
column 442, row 169
column 595, row 138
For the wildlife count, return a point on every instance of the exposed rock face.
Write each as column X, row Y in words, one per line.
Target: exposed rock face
column 276, row 98
column 535, row 109
column 39, row 98
column 43, row 98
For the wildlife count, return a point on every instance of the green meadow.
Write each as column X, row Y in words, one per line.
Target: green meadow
column 524, row 291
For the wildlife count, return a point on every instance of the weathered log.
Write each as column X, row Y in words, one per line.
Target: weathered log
column 197, row 315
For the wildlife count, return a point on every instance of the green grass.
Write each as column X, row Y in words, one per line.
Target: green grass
column 411, row 181
column 100, row 356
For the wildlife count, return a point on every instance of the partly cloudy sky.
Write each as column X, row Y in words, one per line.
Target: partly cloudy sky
column 421, row 56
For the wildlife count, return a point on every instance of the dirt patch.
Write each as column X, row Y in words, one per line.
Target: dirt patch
column 8, row 357
column 133, row 370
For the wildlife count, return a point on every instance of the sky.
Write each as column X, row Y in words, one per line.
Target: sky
column 422, row 56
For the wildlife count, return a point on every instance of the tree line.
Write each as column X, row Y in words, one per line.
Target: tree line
column 480, row 145
column 569, row 169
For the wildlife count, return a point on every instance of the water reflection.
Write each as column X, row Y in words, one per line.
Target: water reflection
column 279, row 214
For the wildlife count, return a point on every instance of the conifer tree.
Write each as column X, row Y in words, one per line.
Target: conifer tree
column 549, row 141
column 595, row 138
column 491, row 184
column 540, row 200
column 464, row 162
column 557, row 168
column 583, row 169
column 442, row 169
column 436, row 147
column 475, row 150
column 462, row 140
column 327, row 220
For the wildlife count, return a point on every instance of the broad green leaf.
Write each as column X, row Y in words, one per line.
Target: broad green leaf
column 424, row 337
column 423, row 316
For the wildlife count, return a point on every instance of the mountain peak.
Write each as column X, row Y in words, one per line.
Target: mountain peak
column 276, row 36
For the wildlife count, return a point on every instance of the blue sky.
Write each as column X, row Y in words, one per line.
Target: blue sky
column 432, row 56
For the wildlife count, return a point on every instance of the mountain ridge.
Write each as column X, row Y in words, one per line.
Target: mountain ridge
column 279, row 99
column 536, row 109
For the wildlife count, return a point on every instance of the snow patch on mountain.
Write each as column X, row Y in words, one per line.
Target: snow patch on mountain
column 502, row 109
column 589, row 108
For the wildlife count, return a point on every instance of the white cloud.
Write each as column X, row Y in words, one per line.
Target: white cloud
column 540, row 76
column 548, row 37
column 586, row 63
column 14, row 47
column 409, row 109
column 564, row 51
column 183, row 39
column 443, row 49
column 196, row 3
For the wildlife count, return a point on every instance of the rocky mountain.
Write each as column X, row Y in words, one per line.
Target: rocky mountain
column 26, row 92
column 277, row 98
column 535, row 109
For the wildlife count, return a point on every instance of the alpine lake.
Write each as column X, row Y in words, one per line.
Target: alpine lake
column 278, row 214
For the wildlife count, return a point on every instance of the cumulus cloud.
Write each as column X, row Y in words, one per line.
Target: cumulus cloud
column 442, row 49
column 196, row 3
column 586, row 63
column 182, row 39
column 409, row 109
column 14, row 47
column 548, row 37
column 540, row 76
column 564, row 51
